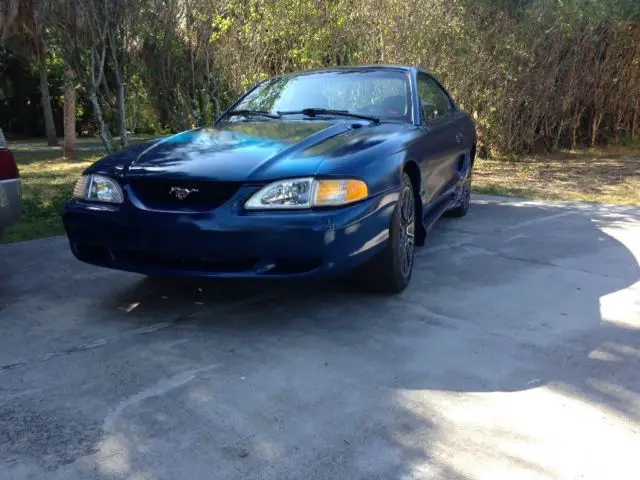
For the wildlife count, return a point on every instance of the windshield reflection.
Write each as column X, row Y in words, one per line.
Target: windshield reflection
column 380, row 93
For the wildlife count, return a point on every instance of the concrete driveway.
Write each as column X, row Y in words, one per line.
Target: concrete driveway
column 514, row 354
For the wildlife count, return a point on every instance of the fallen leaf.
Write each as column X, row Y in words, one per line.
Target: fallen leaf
column 129, row 307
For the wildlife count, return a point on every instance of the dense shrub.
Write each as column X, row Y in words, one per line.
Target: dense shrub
column 535, row 74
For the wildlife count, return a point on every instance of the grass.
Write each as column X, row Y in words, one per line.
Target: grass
column 609, row 176
column 47, row 183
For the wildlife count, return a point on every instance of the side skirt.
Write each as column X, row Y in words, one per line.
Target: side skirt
column 435, row 212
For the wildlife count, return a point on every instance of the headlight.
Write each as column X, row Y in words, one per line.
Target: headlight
column 307, row 193
column 98, row 188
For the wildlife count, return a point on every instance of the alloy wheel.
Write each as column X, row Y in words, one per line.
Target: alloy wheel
column 466, row 191
column 407, row 231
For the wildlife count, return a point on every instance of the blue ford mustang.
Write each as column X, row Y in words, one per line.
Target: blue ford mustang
column 307, row 174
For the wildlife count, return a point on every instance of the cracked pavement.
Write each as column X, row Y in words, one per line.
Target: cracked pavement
column 514, row 353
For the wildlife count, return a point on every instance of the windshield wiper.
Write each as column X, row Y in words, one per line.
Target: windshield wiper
column 248, row 113
column 312, row 112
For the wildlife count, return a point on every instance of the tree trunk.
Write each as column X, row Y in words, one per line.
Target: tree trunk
column 595, row 127
column 97, row 111
column 634, row 122
column 70, row 144
column 216, row 102
column 120, row 88
column 122, row 114
column 98, row 62
column 50, row 129
column 577, row 118
column 556, row 142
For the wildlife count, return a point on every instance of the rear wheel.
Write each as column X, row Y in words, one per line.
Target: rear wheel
column 390, row 271
column 462, row 205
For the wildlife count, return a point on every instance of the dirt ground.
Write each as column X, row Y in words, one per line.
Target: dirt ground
column 610, row 176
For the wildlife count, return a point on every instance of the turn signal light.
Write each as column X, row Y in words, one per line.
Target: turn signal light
column 339, row 192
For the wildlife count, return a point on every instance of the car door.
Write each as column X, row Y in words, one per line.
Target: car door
column 439, row 147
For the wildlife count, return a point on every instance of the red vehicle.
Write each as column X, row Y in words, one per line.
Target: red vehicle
column 10, row 195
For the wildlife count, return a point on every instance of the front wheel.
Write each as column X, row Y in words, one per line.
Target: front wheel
column 390, row 271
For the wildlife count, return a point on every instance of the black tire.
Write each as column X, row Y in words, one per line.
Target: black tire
column 462, row 205
column 390, row 271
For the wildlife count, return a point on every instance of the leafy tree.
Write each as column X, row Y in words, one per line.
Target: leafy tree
column 24, row 18
column 535, row 74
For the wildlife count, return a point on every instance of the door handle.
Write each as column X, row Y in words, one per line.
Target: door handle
column 459, row 137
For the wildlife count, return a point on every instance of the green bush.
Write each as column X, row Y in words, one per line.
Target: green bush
column 536, row 74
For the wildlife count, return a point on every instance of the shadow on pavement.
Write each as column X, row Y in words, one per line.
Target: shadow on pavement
column 321, row 380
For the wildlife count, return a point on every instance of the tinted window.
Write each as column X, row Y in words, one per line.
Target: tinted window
column 385, row 94
column 434, row 100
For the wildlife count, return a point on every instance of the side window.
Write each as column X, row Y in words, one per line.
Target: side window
column 433, row 100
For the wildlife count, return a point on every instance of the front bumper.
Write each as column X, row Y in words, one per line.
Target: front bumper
column 229, row 241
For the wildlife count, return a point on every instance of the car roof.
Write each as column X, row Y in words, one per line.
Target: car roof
column 352, row 68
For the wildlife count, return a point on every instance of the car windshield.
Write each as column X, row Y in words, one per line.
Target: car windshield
column 385, row 94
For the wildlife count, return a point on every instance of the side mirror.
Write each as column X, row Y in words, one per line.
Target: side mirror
column 429, row 111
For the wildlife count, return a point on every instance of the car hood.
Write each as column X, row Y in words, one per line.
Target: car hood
column 238, row 151
column 252, row 151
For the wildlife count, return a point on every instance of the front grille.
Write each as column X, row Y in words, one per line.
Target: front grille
column 92, row 253
column 163, row 194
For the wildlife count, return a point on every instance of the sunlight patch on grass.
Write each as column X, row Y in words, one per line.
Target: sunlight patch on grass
column 611, row 177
